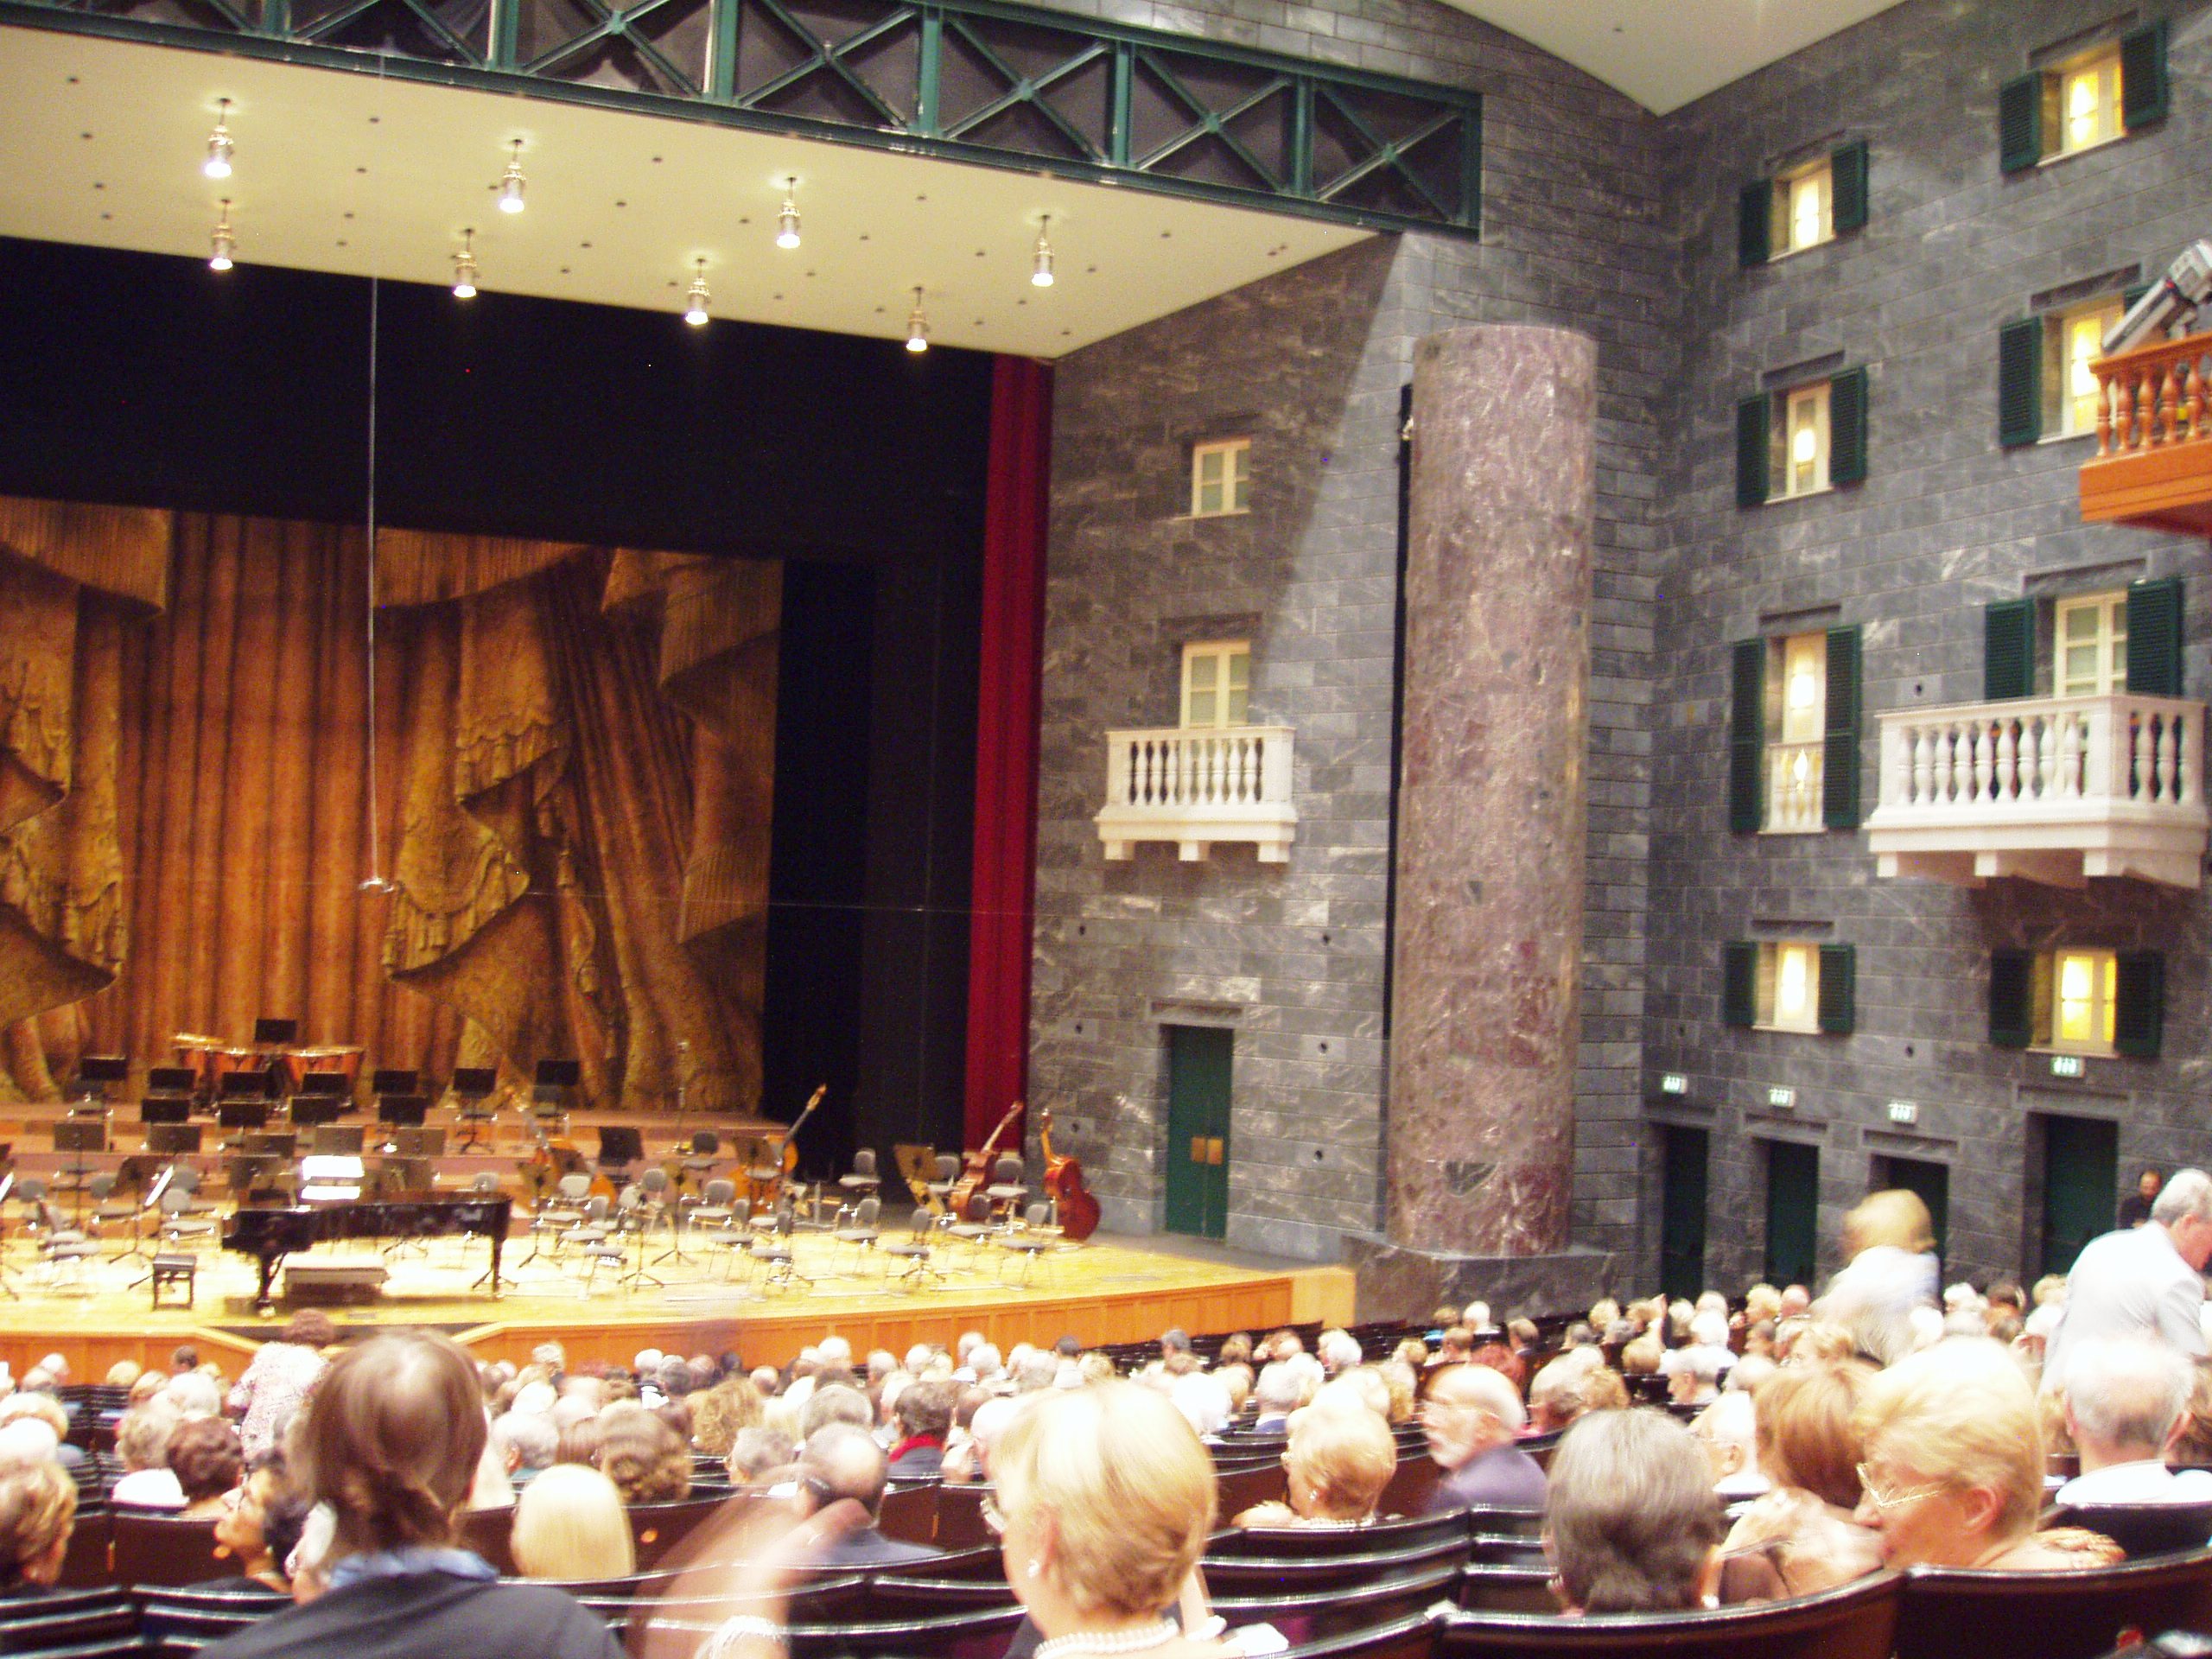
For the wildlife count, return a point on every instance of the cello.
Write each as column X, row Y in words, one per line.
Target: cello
column 766, row 1184
column 976, row 1171
column 1077, row 1209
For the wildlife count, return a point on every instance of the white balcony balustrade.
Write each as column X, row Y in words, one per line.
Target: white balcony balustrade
column 1793, row 789
column 2050, row 789
column 1197, row 786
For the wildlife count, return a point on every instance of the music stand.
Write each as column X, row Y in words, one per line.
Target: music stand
column 240, row 1115
column 96, row 1071
column 175, row 1140
column 620, row 1144
column 472, row 1087
column 171, row 1080
column 243, row 1085
column 550, row 1088
column 276, row 1034
column 165, row 1109
column 77, row 1137
column 336, row 1141
column 400, row 1111
column 312, row 1111
column 395, row 1081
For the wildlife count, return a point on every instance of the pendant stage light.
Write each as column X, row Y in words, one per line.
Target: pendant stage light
column 218, row 165
column 1040, row 264
column 464, row 267
column 917, row 327
column 787, row 221
column 511, row 183
column 223, row 243
column 695, row 308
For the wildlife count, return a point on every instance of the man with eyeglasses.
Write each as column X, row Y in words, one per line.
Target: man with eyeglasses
column 2143, row 1281
column 1469, row 1418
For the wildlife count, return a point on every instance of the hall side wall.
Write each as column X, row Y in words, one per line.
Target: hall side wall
column 1946, row 521
column 1309, row 364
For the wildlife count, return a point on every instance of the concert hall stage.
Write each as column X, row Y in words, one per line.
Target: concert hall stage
column 1105, row 1290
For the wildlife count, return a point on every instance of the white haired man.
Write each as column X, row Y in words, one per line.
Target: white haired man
column 2126, row 1399
column 1470, row 1419
column 2145, row 1281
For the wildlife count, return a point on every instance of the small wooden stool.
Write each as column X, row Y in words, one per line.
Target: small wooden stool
column 173, row 1271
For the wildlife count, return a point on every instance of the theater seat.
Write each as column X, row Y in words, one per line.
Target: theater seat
column 2071, row 1615
column 1859, row 1621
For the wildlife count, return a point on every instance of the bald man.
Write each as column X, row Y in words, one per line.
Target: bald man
column 1470, row 1418
column 843, row 1460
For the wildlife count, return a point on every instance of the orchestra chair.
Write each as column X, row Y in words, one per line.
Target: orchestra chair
column 1009, row 1189
column 65, row 1251
column 661, row 1206
column 700, row 1156
column 716, row 1209
column 774, row 1252
column 183, row 1222
column 914, row 1250
column 734, row 1240
column 1029, row 1242
column 108, row 1210
column 860, row 1232
column 948, row 1177
column 633, row 1219
column 863, row 1180
column 552, row 1217
column 974, row 1227
column 1862, row 1620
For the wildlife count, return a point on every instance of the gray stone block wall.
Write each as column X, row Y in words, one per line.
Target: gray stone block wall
column 1946, row 521
column 1310, row 363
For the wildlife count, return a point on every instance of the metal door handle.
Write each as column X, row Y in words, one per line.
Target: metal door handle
column 1217, row 1150
column 1197, row 1148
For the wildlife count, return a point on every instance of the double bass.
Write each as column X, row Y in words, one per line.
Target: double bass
column 1077, row 1209
column 975, row 1171
column 765, row 1183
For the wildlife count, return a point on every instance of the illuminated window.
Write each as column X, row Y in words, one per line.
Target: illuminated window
column 1217, row 684
column 1789, row 987
column 2092, row 645
column 2076, row 1000
column 1804, row 209
column 2087, row 96
column 1803, row 468
column 1796, row 721
column 1221, row 477
column 2072, row 341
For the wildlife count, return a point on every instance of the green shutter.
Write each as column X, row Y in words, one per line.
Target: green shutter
column 2139, row 1020
column 1750, row 451
column 1848, row 427
column 1753, row 204
column 2019, row 122
column 1847, row 187
column 1746, row 735
column 1739, row 978
column 2019, row 382
column 2143, row 93
column 2008, row 648
column 2011, row 982
column 1838, row 989
column 2154, row 638
column 1839, row 736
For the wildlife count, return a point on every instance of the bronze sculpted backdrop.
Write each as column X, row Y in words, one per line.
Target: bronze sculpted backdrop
column 574, row 751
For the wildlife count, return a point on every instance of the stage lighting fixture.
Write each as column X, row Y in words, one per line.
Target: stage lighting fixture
column 510, row 182
column 1041, row 265
column 695, row 307
column 464, row 267
column 917, row 327
column 787, row 221
column 225, row 244
column 218, row 165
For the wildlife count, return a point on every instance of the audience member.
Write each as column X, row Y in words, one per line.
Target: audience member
column 841, row 1460
column 278, row 1381
column 1337, row 1465
column 1728, row 1431
column 2135, row 1208
column 38, row 1511
column 1470, row 1418
column 570, row 1523
column 647, row 1460
column 759, row 1455
column 1808, row 1448
column 923, row 1416
column 2145, row 1281
column 204, row 1456
column 1631, row 1521
column 390, row 1440
column 142, row 1442
column 1278, row 1392
column 2126, row 1401
column 244, row 1526
column 1890, row 1240
column 45, row 1408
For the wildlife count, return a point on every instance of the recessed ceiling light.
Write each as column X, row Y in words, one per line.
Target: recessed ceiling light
column 223, row 244
column 511, row 183
column 217, row 164
column 787, row 220
column 1040, row 262
column 695, row 308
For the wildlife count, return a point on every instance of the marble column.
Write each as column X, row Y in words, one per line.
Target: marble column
column 1492, row 798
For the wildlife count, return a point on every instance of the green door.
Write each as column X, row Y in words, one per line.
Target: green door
column 1682, row 1209
column 1933, row 1184
column 1198, row 1058
column 1793, row 1203
column 2081, row 1174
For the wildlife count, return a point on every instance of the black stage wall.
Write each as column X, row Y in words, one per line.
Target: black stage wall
column 137, row 379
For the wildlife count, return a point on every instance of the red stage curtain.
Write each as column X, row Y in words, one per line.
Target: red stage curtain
column 1006, row 742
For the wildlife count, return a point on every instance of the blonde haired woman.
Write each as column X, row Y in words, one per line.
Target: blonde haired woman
column 570, row 1524
column 1808, row 1446
column 1953, row 1458
column 1891, row 1240
column 1337, row 1464
column 38, row 1511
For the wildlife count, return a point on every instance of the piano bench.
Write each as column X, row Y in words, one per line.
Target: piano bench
column 172, row 1273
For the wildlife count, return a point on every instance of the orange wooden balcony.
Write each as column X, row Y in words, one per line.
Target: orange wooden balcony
column 2153, row 466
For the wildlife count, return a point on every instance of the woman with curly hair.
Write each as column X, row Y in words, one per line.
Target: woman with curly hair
column 647, row 1460
column 38, row 1511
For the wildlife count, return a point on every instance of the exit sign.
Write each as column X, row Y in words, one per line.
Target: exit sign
column 1778, row 1096
column 1674, row 1083
column 2066, row 1065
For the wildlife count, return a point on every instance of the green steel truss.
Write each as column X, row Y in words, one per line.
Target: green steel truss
column 973, row 80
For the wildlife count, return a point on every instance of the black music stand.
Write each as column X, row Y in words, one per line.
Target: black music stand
column 97, row 1073
column 395, row 1081
column 165, row 1109
column 472, row 1087
column 620, row 1144
column 398, row 1112
column 313, row 1112
column 244, row 1085
column 276, row 1034
column 239, row 1116
column 77, row 1137
column 174, row 1140
column 336, row 1141
column 166, row 1080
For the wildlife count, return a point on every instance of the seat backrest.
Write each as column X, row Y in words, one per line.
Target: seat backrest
column 947, row 1166
column 2143, row 1528
column 489, row 1533
column 979, row 1211
column 2066, row 1614
column 909, row 1513
column 177, row 1622
column 866, row 1211
column 1306, row 1611
column 1255, row 1577
column 1410, row 1637
column 944, row 1638
column 1009, row 1171
column 573, row 1187
column 864, row 1161
column 656, row 1528
column 654, row 1180
column 705, row 1143
column 719, row 1191
column 1037, row 1214
column 922, row 1220
column 595, row 1207
column 38, row 1629
column 169, row 1549
column 960, row 1517
column 85, row 1562
column 1411, row 1485
column 1238, row 1490
column 1859, row 1621
column 1403, row 1533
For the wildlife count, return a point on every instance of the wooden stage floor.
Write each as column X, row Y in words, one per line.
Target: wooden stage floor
column 1107, row 1289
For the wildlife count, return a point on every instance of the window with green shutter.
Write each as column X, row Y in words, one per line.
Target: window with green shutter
column 1751, row 485
column 1739, row 975
column 2144, row 95
column 1746, row 734
column 2095, row 98
column 2008, row 648
column 1839, row 993
column 1839, row 734
column 1847, row 168
column 2139, row 1004
column 1753, row 204
column 2019, row 382
column 1848, row 427
column 2019, row 122
column 2154, row 619
column 2011, row 988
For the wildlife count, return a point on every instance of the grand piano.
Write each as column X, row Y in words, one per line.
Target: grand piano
column 271, row 1234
